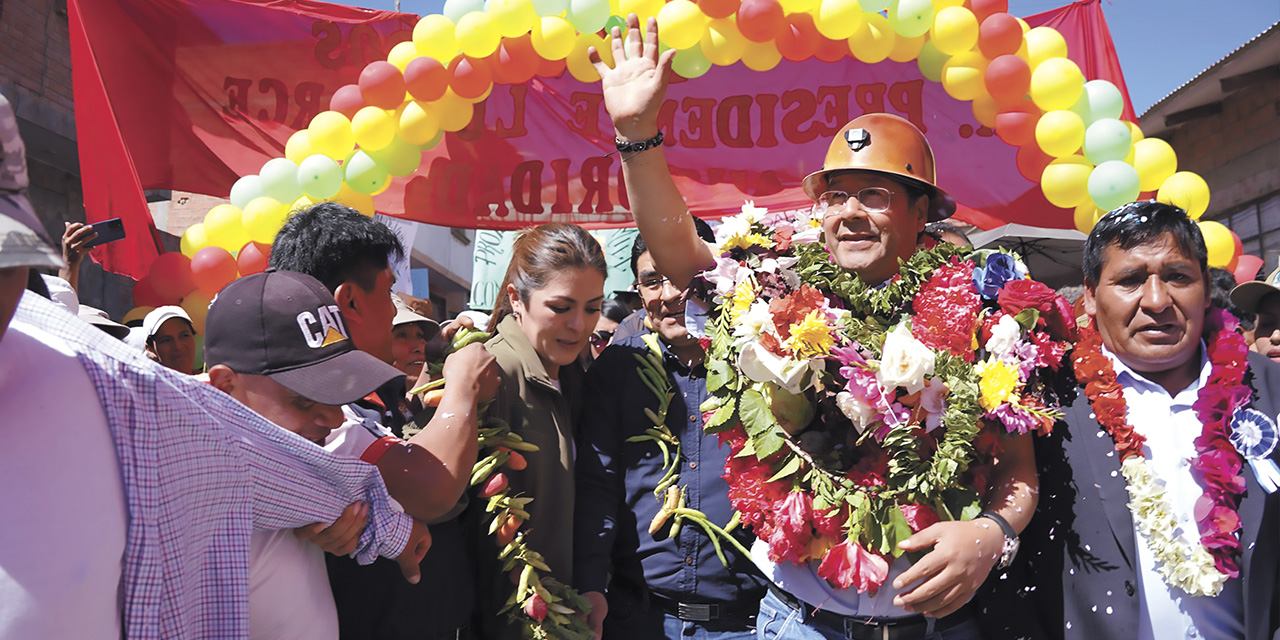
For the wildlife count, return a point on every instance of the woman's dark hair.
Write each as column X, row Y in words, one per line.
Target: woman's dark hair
column 1139, row 223
column 614, row 310
column 539, row 254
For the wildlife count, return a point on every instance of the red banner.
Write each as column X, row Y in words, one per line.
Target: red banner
column 205, row 91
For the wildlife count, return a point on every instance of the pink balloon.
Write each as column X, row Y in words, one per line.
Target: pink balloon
column 1247, row 268
column 347, row 100
column 171, row 276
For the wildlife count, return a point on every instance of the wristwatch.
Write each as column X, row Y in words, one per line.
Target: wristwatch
column 1011, row 542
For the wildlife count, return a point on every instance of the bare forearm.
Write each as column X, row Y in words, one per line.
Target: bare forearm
column 662, row 217
column 450, row 437
column 1015, row 487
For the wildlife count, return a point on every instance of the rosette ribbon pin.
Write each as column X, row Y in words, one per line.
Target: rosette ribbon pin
column 1254, row 436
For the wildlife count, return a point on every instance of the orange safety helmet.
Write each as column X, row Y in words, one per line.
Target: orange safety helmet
column 887, row 144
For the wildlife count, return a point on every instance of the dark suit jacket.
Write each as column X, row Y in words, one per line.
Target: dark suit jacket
column 1078, row 552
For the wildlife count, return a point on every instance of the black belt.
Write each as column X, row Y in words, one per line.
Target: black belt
column 914, row 627
column 704, row 611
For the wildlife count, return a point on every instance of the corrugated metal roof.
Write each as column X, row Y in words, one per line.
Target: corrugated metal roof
column 1225, row 59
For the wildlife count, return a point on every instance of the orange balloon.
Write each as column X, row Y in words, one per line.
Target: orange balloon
column 212, row 268
column 253, row 258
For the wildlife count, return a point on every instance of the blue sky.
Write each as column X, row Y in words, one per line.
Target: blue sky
column 1161, row 43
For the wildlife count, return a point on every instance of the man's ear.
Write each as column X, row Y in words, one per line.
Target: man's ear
column 345, row 295
column 921, row 205
column 223, row 378
column 1090, row 302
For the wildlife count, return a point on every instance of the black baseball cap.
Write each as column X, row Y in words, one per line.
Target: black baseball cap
column 286, row 326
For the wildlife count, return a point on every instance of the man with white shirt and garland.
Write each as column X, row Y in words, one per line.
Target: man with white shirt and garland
column 1157, row 518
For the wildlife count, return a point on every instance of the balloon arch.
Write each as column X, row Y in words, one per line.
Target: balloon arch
column 1018, row 79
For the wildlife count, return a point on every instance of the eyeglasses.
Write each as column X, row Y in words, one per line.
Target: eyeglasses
column 872, row 199
column 600, row 339
column 653, row 285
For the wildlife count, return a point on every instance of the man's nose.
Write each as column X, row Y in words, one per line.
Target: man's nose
column 1155, row 294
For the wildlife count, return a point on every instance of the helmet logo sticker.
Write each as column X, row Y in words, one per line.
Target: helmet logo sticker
column 858, row 139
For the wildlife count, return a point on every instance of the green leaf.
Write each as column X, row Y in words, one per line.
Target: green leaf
column 722, row 419
column 1027, row 318
column 768, row 443
column 792, row 466
column 719, row 375
column 754, row 411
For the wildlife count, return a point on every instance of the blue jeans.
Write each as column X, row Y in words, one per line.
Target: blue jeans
column 676, row 629
column 777, row 620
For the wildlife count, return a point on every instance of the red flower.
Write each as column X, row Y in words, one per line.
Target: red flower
column 1055, row 312
column 919, row 517
column 786, row 546
column 792, row 513
column 792, row 308
column 848, row 565
column 946, row 310
column 830, row 523
column 782, row 238
column 1050, row 352
column 535, row 607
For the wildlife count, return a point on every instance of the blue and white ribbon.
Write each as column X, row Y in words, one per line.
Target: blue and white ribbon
column 1254, row 436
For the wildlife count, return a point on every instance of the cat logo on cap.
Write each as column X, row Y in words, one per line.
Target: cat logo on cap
column 322, row 328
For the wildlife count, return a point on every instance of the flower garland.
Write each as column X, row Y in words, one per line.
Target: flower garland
column 544, row 607
column 1197, row 569
column 857, row 415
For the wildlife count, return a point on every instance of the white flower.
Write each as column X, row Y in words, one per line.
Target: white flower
column 761, row 365
column 736, row 226
column 726, row 276
column 858, row 412
column 1004, row 337
column 751, row 213
column 904, row 361
column 755, row 322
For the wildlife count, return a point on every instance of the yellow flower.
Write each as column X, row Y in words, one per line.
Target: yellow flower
column 743, row 295
column 746, row 241
column 997, row 383
column 811, row 337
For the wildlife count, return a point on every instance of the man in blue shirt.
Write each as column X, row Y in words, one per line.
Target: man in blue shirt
column 646, row 585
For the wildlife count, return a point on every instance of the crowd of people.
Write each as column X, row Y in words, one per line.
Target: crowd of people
column 299, row 485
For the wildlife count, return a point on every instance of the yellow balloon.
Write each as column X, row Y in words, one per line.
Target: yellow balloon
column 1218, row 240
column 838, row 19
column 873, row 40
column 799, row 6
column 263, row 218
column 644, row 9
column 553, row 38
column 223, row 228
column 962, row 75
column 301, row 203
column 136, row 313
column 454, row 112
column 1155, row 161
column 1043, row 43
column 196, row 304
column 579, row 65
column 299, row 146
column 1086, row 216
column 419, row 122
column 1065, row 182
column 1135, row 132
column 1060, row 133
column 374, row 128
column 476, row 34
column 193, row 239
column 985, row 109
column 954, row 31
column 680, row 24
column 1186, row 190
column 1056, row 84
column 330, row 134
column 512, row 18
column 722, row 43
column 358, row 201
column 434, row 36
column 402, row 54
column 761, row 56
column 906, row 49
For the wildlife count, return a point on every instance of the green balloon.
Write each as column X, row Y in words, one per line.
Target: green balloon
column 911, row 18
column 363, row 173
column 588, row 16
column 931, row 61
column 691, row 63
column 1107, row 139
column 1113, row 183
column 280, row 180
column 399, row 158
column 615, row 21
column 245, row 190
column 320, row 177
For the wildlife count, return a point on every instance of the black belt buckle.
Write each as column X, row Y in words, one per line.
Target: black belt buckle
column 914, row 627
column 692, row 612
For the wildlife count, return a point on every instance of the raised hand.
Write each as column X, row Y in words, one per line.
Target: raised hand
column 637, row 84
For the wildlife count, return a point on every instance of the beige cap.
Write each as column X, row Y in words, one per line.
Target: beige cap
column 405, row 315
column 1247, row 295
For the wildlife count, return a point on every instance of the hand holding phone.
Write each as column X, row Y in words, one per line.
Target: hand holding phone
column 102, row 232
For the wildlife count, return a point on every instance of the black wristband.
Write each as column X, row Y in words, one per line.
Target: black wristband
column 637, row 147
column 1005, row 527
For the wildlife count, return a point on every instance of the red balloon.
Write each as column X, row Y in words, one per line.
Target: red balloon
column 1032, row 161
column 426, row 79
column 832, row 50
column 1000, row 34
column 984, row 8
column 1016, row 124
column 469, row 77
column 1247, row 268
column 171, row 276
column 1008, row 78
column 144, row 295
column 797, row 41
column 253, row 258
column 347, row 100
column 212, row 268
column 382, row 85
column 515, row 61
column 551, row 68
column 760, row 20
column 716, row 9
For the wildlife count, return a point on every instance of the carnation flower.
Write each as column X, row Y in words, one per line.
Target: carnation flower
column 997, row 382
column 849, row 565
column 811, row 337
column 1004, row 336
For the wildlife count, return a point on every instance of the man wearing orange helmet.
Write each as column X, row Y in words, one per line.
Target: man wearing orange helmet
column 874, row 195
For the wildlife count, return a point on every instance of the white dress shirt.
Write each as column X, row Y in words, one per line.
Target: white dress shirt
column 1170, row 426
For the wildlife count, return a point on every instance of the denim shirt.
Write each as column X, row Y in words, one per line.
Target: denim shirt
column 616, row 478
